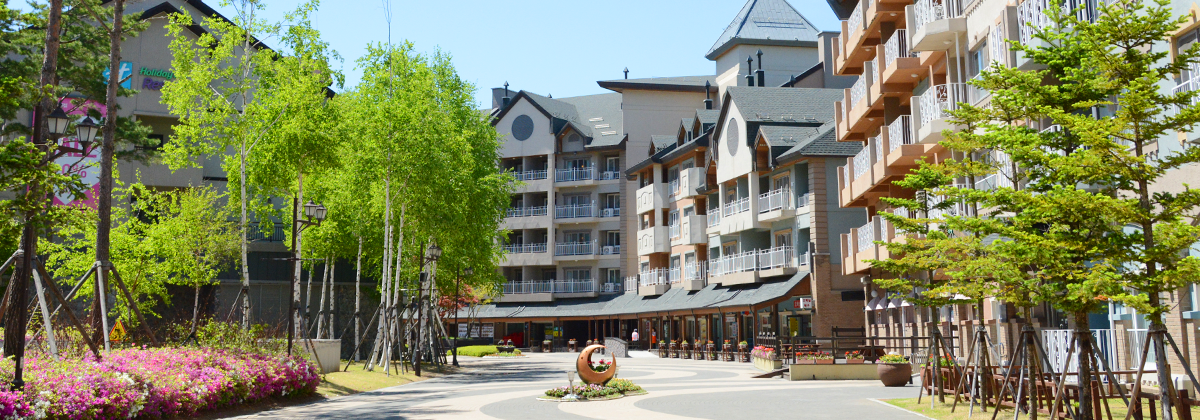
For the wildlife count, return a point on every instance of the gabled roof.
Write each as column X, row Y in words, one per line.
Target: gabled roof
column 677, row 84
column 660, row 142
column 596, row 117
column 708, row 116
column 785, row 105
column 823, row 143
column 765, row 22
column 811, row 70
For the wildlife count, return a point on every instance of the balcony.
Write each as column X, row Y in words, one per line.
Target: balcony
column 610, row 250
column 736, row 216
column 610, row 175
column 934, row 111
column 526, row 211
column 690, row 180
column 693, row 276
column 776, row 205
column 751, row 266
column 862, row 105
column 532, row 180
column 575, row 174
column 651, row 197
column 1031, row 16
column 654, row 282
column 653, row 240
column 631, row 284
column 574, row 251
column 610, row 212
column 861, row 33
column 534, row 175
column 528, row 291
column 525, row 248
column 858, row 246
column 690, row 230
column 935, row 24
column 517, row 255
column 616, row 287
column 575, row 212
column 900, row 65
column 572, row 288
column 714, row 221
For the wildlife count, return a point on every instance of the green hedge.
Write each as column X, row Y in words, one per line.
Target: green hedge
column 476, row 351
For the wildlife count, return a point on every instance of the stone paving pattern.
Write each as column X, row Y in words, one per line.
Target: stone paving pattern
column 679, row 389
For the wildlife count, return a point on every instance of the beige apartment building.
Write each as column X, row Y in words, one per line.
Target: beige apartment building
column 913, row 61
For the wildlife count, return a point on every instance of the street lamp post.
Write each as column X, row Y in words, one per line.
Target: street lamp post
column 314, row 214
column 457, row 299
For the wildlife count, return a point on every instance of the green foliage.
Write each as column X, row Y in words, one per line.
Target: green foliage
column 477, row 351
column 212, row 334
column 624, row 386
column 893, row 358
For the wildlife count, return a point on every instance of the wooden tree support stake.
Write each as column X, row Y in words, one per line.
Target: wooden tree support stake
column 133, row 305
column 70, row 313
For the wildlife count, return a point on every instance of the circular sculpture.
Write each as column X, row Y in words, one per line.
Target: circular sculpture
column 584, row 366
column 522, row 127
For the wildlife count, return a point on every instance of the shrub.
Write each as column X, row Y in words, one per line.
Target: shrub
column 623, row 386
column 893, row 358
column 476, row 351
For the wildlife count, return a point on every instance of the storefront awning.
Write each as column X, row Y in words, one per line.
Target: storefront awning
column 874, row 305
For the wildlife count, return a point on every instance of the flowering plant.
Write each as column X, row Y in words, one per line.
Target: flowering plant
column 814, row 355
column 743, row 343
column 600, row 366
column 854, row 354
column 763, row 352
column 893, row 358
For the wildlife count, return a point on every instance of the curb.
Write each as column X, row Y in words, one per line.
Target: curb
column 901, row 409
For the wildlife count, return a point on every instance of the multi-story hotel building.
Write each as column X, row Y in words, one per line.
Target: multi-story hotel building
column 913, row 61
column 728, row 214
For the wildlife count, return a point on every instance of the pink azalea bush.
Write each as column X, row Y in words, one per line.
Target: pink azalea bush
column 152, row 383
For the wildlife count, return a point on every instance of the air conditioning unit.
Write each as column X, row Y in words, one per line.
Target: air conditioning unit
column 609, row 250
column 609, row 212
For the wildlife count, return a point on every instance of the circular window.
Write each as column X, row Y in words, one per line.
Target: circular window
column 731, row 137
column 574, row 138
column 522, row 127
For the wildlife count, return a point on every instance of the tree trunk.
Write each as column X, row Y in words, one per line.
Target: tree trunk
column 195, row 310
column 321, row 305
column 382, row 326
column 297, row 269
column 358, row 300
column 1084, row 333
column 104, row 199
column 332, row 297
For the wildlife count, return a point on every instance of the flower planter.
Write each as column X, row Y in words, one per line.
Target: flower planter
column 571, row 346
column 767, row 365
column 686, row 351
column 546, row 348
column 855, row 361
column 806, row 362
column 894, row 374
column 823, row 361
column 727, row 352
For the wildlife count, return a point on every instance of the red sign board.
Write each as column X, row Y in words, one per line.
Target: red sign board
column 804, row 303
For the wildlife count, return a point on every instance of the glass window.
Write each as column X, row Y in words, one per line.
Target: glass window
column 612, row 238
column 783, row 238
column 578, row 274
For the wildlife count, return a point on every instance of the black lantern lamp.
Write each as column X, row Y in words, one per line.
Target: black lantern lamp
column 57, row 121
column 86, row 130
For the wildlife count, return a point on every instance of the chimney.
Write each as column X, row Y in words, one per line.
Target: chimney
column 761, row 75
column 707, row 99
column 627, row 73
column 506, row 99
column 750, row 70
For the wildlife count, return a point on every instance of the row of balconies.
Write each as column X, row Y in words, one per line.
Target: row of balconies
column 547, row 290
column 582, row 211
column 754, row 265
column 657, row 195
column 584, row 174
column 859, row 246
column 654, row 282
column 775, row 205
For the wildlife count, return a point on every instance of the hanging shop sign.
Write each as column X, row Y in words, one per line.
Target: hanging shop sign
column 803, row 303
column 125, row 75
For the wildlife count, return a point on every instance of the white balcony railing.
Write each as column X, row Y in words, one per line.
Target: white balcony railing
column 899, row 132
column 778, row 257
column 574, row 211
column 896, row 47
column 1031, row 16
column 778, row 199
column 736, row 263
column 694, row 271
column 575, row 174
column 610, row 175
column 938, row 101
column 876, row 144
column 866, row 236
column 861, row 162
column 610, row 212
column 574, row 286
column 858, row 91
column 675, row 230
column 575, row 248
column 631, row 283
column 714, row 217
column 1057, row 348
column 1188, row 83
column 673, row 275
column 527, row 287
column 530, row 175
column 527, row 211
column 856, row 19
column 673, row 188
column 930, row 10
column 653, row 277
column 738, row 206
column 803, row 200
column 525, row 248
column 612, row 287
column 610, row 250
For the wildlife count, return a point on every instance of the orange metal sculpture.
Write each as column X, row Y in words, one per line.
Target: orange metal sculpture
column 584, row 366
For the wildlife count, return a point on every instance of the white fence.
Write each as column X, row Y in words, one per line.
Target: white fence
column 930, row 10
column 575, row 248
column 653, row 277
column 527, row 211
column 778, row 199
column 527, row 287
column 530, row 175
column 938, row 101
column 714, row 217
column 899, row 132
column 575, row 211
column 575, row 174
column 574, row 286
column 896, row 47
column 1057, row 343
column 525, row 248
column 740, row 205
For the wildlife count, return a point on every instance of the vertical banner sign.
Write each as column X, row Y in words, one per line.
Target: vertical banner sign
column 86, row 167
column 126, row 75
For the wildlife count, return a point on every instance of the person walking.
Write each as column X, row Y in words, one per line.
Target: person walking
column 635, row 338
column 653, row 338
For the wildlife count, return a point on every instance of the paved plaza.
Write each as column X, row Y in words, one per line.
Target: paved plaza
column 678, row 389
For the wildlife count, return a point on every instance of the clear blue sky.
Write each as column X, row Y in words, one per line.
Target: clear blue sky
column 544, row 46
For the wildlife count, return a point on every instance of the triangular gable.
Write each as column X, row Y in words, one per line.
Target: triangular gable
column 765, row 22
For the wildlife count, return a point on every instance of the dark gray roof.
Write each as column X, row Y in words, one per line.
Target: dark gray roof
column 662, row 141
column 676, row 83
column 711, row 296
column 765, row 22
column 687, row 124
column 606, row 107
column 785, row 105
column 823, row 143
column 708, row 116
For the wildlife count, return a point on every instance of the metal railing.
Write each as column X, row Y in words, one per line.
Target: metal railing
column 714, row 217
column 899, row 132
column 740, row 205
column 525, row 248
column 1133, row 347
column 631, row 283
column 694, row 271
column 254, row 232
column 930, row 10
column 575, row 174
column 1057, row 344
column 673, row 188
column 674, row 230
column 778, row 199
column 575, row 248
column 938, row 101
column 857, row 92
column 527, row 287
column 777, row 257
column 862, row 162
column 804, row 199
column 1190, row 81
column 736, row 263
column 876, row 144
column 612, row 287
column 610, row 175
column 532, row 175
column 527, row 211
column 673, row 275
column 896, row 47
column 575, row 211
column 610, row 212
column 653, row 277
column 574, row 286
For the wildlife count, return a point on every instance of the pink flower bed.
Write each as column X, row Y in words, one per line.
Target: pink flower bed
column 152, row 383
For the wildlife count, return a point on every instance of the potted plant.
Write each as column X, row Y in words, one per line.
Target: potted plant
column 727, row 351
column 674, row 349
column 743, row 355
column 894, row 370
column 546, row 346
column 712, row 350
column 571, row 345
column 854, row 357
column 804, row 358
column 823, row 358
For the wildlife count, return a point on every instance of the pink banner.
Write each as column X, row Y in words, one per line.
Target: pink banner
column 87, row 167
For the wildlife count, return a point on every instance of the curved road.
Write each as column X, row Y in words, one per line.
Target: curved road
column 678, row 389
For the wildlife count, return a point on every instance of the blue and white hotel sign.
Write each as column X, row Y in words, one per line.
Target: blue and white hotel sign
column 126, row 75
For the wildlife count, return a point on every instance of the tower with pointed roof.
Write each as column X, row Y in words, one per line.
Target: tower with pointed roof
column 788, row 41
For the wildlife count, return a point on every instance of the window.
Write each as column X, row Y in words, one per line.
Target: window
column 783, row 238
column 612, row 201
column 978, row 60
column 612, row 164
column 612, row 238
column 731, row 137
column 580, row 236
column 576, row 200
column 1182, row 43
column 781, row 182
column 688, row 164
column 578, row 163
column 673, row 218
column 612, row 275
column 578, row 274
column 573, row 138
column 549, row 274
column 645, row 266
column 515, row 275
column 731, row 193
column 728, row 248
column 689, row 210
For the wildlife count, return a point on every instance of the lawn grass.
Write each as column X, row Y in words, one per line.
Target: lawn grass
column 357, row 379
column 478, row 351
column 942, row 411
